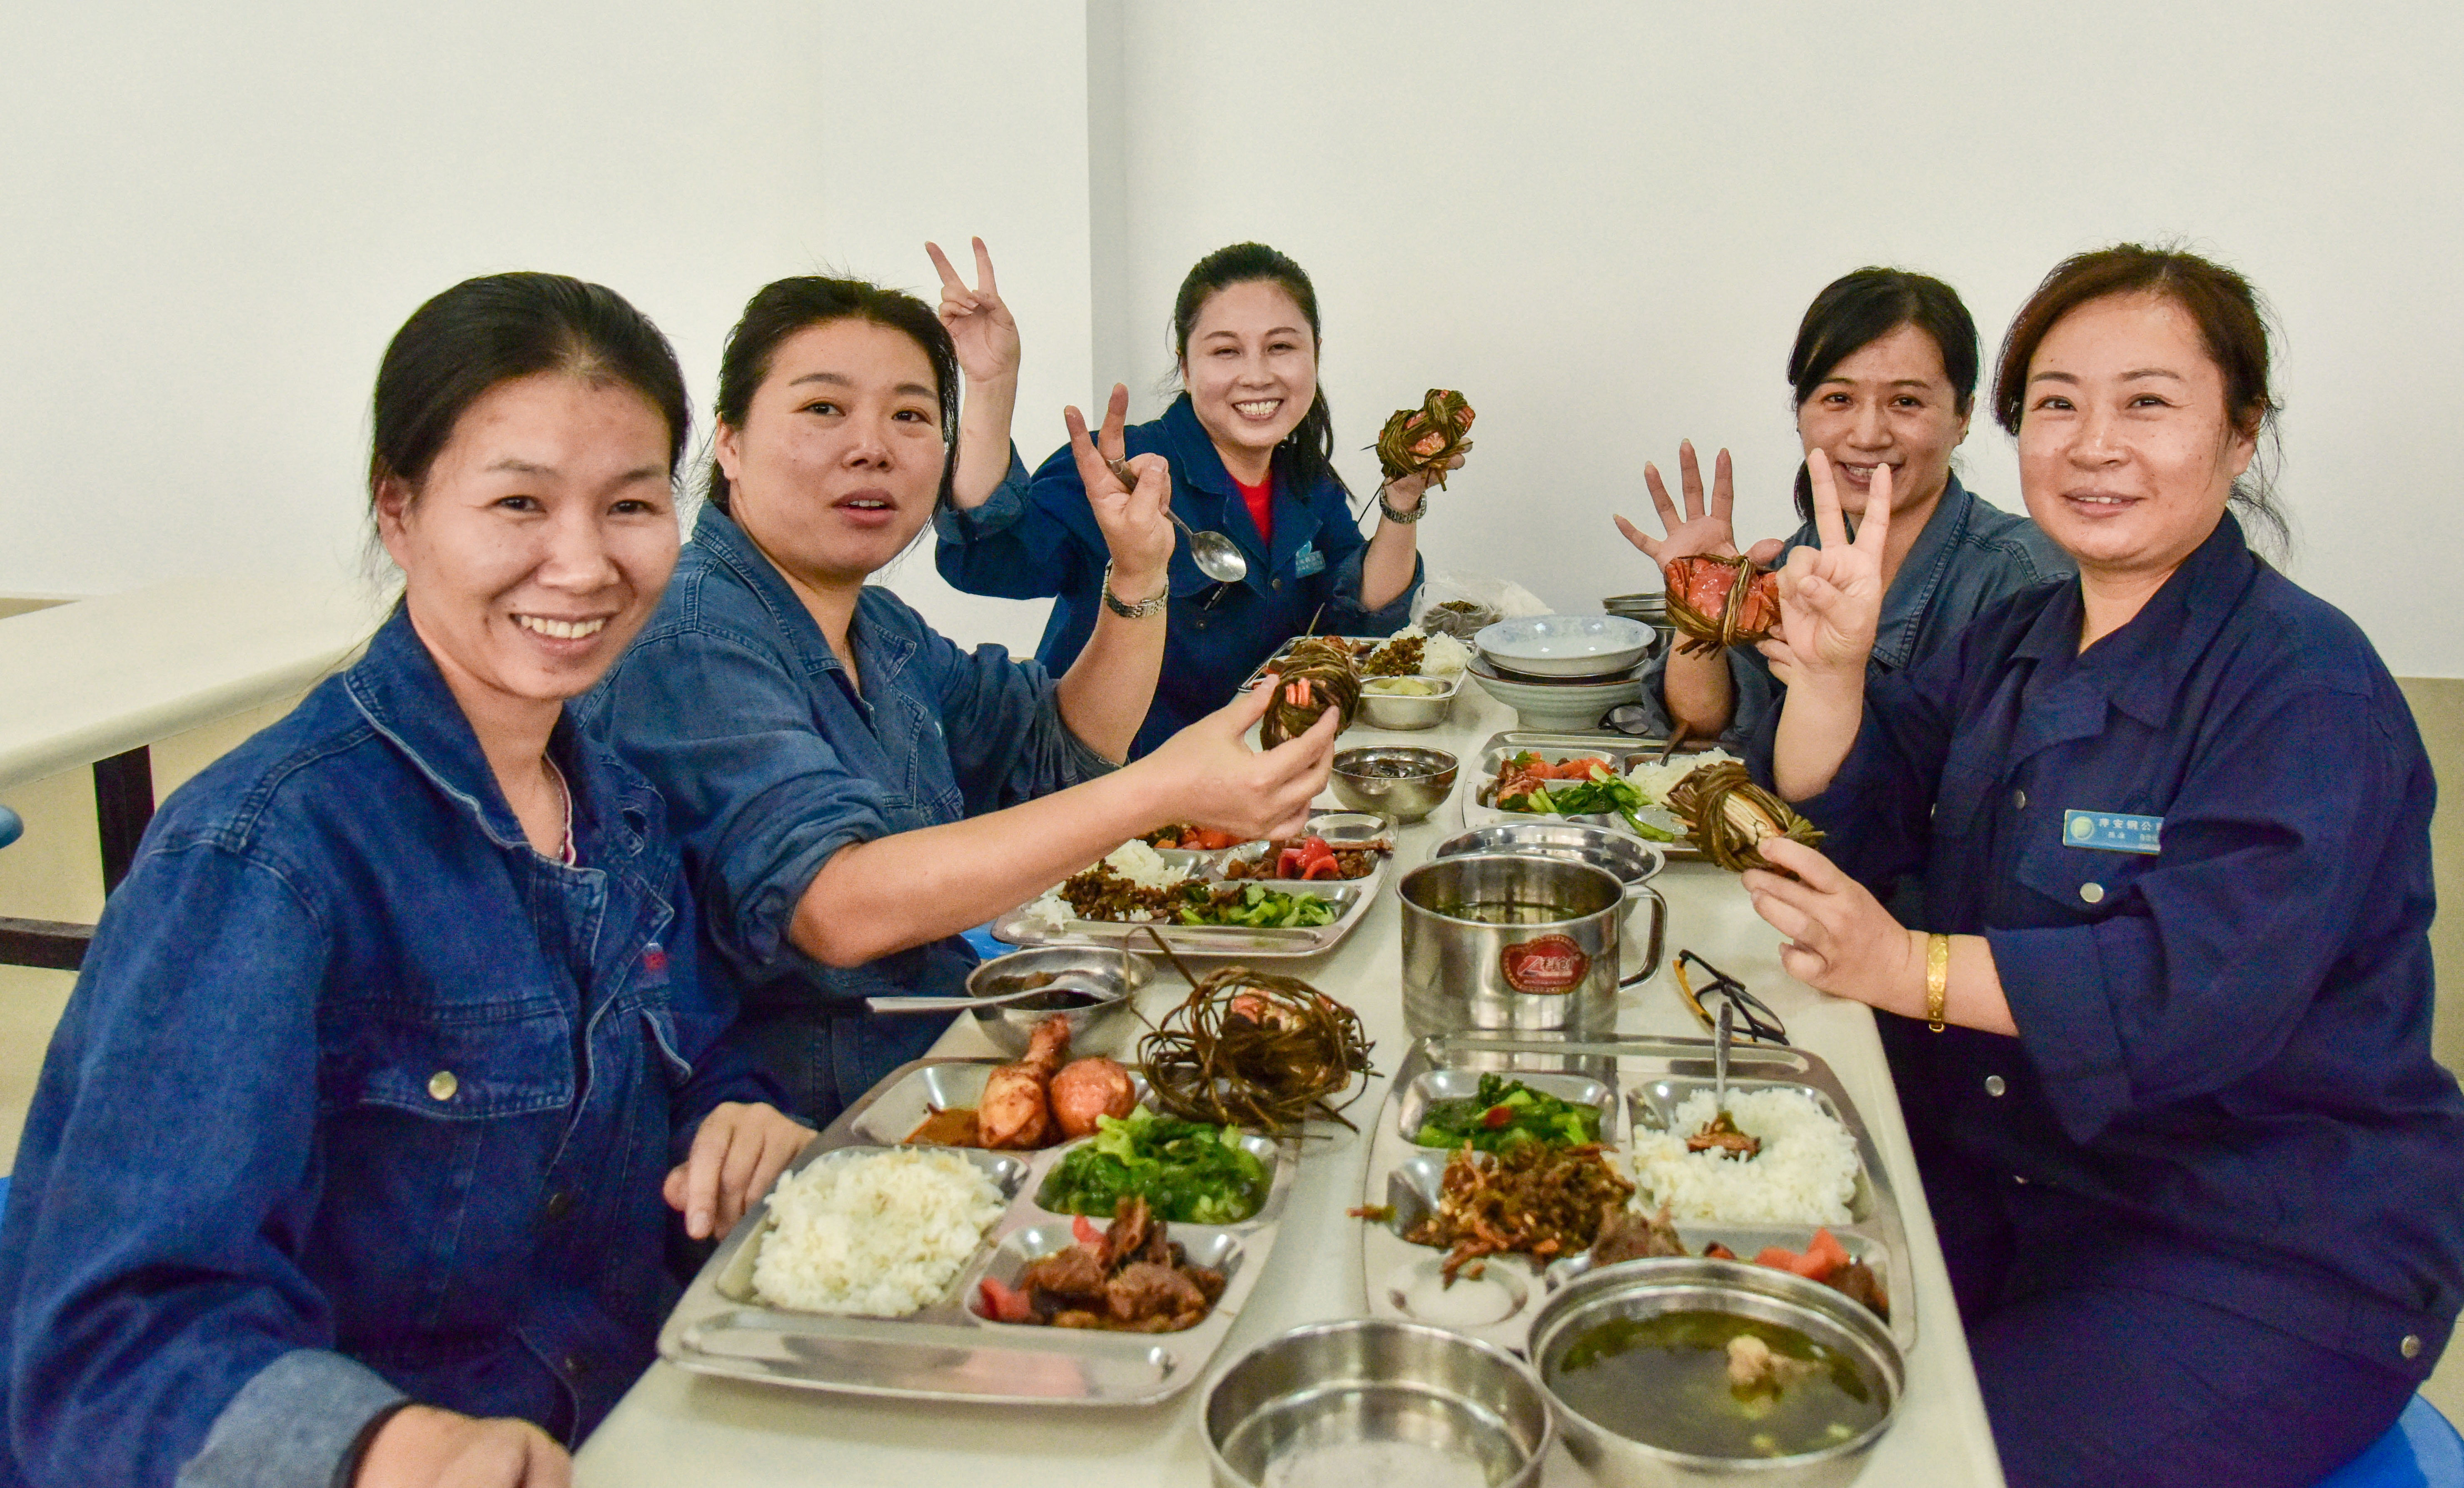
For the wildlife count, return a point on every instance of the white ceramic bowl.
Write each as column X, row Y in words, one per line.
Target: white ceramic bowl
column 1602, row 646
column 1560, row 707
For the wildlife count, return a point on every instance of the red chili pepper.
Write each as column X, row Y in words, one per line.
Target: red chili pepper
column 1005, row 1304
column 1322, row 868
column 1496, row 1116
column 1288, row 863
column 1084, row 1230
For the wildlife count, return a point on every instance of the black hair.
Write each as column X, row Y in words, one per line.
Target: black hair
column 1308, row 453
column 499, row 327
column 1855, row 310
column 782, row 308
column 2232, row 320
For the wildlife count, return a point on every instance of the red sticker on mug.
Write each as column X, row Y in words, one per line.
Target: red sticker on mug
column 1552, row 964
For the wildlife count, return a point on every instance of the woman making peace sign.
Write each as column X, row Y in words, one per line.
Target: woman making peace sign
column 2165, row 1051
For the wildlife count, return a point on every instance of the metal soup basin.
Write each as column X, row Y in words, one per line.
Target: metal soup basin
column 1644, row 1288
column 1095, row 1028
column 1502, row 941
column 1337, row 1384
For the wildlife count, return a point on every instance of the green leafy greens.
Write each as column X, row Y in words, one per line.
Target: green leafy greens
column 1261, row 909
column 1190, row 1172
column 1507, row 1113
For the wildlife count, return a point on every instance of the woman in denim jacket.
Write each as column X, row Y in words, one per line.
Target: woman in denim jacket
column 353, row 1155
column 852, row 789
column 1884, row 372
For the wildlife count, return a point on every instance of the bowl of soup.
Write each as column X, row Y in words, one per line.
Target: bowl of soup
column 1674, row 1370
column 1405, row 783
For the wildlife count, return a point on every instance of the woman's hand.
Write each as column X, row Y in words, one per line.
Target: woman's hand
column 979, row 324
column 1404, row 491
column 1208, row 775
column 1831, row 599
column 739, row 1152
column 1134, row 521
column 423, row 1447
column 1840, row 939
column 1699, row 530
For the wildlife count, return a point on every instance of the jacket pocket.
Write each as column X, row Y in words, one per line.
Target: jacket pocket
column 452, row 1063
column 2091, row 884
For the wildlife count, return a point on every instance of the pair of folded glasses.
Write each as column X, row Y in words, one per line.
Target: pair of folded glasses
column 1754, row 1017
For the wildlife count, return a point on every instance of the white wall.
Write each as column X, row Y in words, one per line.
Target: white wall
column 1600, row 221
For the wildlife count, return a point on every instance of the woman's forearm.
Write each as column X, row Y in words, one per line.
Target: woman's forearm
column 1817, row 727
column 914, row 887
column 1104, row 695
column 1700, row 695
column 983, row 441
column 1972, row 993
column 1386, row 568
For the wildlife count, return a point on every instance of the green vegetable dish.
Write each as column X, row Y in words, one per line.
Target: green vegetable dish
column 1258, row 907
column 1507, row 1113
column 1188, row 1172
column 1604, row 795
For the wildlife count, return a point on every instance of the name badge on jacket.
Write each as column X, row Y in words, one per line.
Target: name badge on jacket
column 2111, row 831
column 1307, row 560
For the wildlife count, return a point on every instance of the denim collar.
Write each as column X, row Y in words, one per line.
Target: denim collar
column 397, row 687
column 1921, row 576
column 2141, row 667
column 883, row 644
column 1200, row 467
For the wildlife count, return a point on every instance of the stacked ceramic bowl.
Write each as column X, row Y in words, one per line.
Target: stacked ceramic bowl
column 1561, row 672
column 1651, row 608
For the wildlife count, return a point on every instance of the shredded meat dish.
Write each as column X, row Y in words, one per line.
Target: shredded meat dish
column 1540, row 1200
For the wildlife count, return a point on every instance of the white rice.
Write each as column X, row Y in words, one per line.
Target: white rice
column 1806, row 1172
column 1655, row 781
column 879, row 1233
column 1444, row 656
column 1143, row 866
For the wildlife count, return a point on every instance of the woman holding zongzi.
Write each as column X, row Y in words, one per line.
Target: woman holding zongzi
column 2160, row 1025
column 852, row 789
column 1249, row 444
column 1884, row 373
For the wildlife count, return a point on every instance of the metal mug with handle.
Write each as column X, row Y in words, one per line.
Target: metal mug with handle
column 1505, row 940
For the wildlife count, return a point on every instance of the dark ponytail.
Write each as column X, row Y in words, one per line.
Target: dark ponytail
column 1307, row 454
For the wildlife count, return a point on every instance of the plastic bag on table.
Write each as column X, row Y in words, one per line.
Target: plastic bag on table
column 1459, row 604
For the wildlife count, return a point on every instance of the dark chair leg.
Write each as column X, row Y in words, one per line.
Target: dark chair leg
column 124, row 803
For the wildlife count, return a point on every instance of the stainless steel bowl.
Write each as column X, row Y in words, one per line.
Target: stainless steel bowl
column 1403, row 783
column 1093, row 1029
column 1406, row 710
column 1644, row 1288
column 1332, row 1386
column 1634, row 862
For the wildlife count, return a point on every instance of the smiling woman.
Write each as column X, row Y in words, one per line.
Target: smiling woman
column 403, row 973
column 853, row 790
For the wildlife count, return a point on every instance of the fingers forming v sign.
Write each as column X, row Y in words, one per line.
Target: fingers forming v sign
column 1698, row 529
column 979, row 324
column 1135, row 523
column 1831, row 599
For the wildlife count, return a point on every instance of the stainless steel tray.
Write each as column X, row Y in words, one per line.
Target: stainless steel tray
column 946, row 1351
column 1352, row 897
column 1635, row 1080
column 1622, row 751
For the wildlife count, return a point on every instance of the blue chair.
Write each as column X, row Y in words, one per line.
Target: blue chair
column 2421, row 1450
column 11, row 826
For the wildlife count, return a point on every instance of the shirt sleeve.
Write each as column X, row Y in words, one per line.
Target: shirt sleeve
column 2212, row 952
column 1877, row 813
column 1001, row 720
column 703, row 1012
column 757, row 797
column 1017, row 544
column 1347, row 555
column 171, row 1178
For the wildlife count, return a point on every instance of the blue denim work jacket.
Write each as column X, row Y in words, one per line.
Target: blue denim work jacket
column 2222, row 1086
column 1970, row 555
column 1033, row 539
column 771, row 760
column 357, row 1098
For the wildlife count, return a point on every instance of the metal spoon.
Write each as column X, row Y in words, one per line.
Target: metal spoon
column 1085, row 989
column 1719, row 1059
column 1217, row 557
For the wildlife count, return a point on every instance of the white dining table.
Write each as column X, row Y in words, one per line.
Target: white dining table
column 677, row 1427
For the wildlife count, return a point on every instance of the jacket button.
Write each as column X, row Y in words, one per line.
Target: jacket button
column 559, row 1204
column 2019, row 799
column 1279, row 584
column 442, row 1084
column 1994, row 1085
column 2093, row 893
column 2410, row 1347
column 573, row 1366
column 2019, row 1178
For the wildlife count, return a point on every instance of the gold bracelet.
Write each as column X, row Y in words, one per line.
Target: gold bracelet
column 1937, row 979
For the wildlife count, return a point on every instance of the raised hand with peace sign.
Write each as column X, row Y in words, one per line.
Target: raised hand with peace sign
column 1830, row 604
column 987, row 340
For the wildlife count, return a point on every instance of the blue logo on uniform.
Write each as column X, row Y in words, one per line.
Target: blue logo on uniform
column 2111, row 831
column 1307, row 560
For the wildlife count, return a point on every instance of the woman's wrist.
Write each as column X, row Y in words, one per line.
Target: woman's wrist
column 1386, row 507
column 1131, row 595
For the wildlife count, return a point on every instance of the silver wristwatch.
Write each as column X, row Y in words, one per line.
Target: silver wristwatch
column 1144, row 608
column 1405, row 518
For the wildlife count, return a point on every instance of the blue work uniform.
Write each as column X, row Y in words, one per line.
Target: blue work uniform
column 1030, row 541
column 772, row 759
column 1970, row 556
column 357, row 1098
column 2199, row 851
